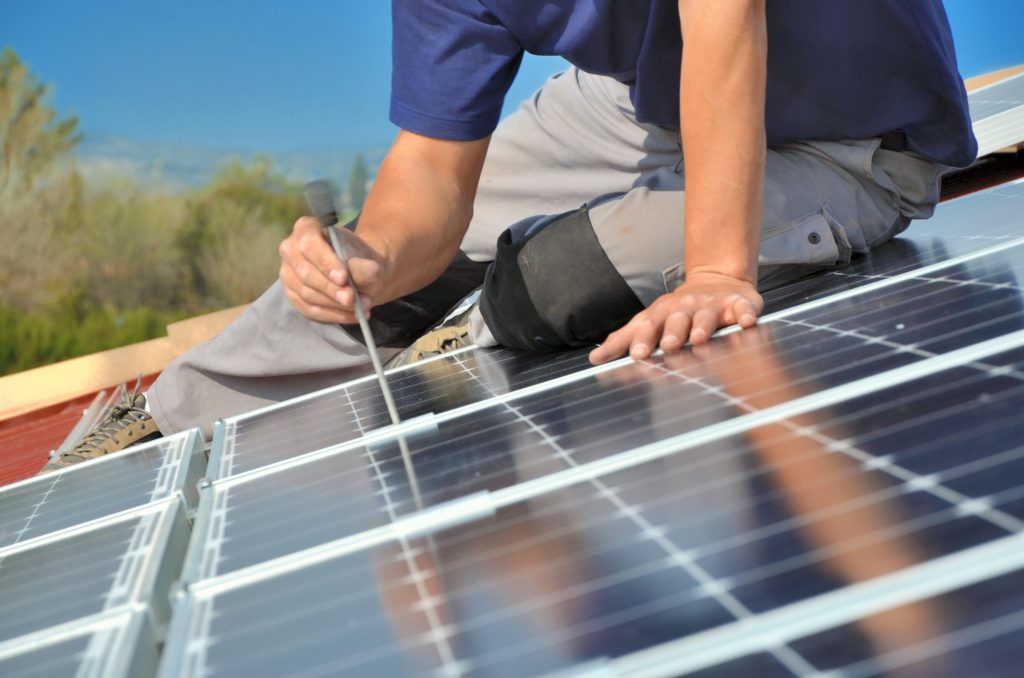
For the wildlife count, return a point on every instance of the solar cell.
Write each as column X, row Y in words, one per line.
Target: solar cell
column 53, row 583
column 108, row 486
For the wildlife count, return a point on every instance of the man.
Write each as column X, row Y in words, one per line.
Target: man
column 743, row 142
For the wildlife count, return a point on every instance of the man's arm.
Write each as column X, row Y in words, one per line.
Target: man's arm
column 721, row 103
column 409, row 231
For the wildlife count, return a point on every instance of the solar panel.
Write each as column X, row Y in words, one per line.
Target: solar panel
column 996, row 98
column 54, row 584
column 116, row 646
column 342, row 414
column 696, row 539
column 85, row 492
column 700, row 537
column 998, row 114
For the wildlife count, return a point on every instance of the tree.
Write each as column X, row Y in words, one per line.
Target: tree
column 32, row 137
column 232, row 229
column 357, row 183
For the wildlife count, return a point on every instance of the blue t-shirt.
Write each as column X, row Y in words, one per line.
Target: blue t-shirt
column 837, row 69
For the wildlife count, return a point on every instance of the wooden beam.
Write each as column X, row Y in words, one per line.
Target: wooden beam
column 51, row 384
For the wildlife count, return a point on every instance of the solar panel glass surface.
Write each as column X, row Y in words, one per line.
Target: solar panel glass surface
column 86, row 492
column 107, row 566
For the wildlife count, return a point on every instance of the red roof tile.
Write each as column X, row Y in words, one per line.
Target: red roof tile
column 26, row 440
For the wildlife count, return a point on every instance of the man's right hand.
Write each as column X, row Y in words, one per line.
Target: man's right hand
column 316, row 282
column 409, row 231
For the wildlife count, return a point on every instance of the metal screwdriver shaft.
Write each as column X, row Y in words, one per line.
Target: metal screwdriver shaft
column 320, row 198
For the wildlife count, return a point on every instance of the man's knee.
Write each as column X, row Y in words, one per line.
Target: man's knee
column 554, row 287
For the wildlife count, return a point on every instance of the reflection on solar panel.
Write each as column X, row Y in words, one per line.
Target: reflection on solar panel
column 849, row 475
column 998, row 114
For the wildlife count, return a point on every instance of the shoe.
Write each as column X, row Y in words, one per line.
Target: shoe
column 125, row 425
column 450, row 335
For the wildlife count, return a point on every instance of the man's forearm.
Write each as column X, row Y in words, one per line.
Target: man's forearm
column 722, row 95
column 419, row 209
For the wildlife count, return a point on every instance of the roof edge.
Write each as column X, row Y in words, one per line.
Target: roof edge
column 985, row 79
column 39, row 387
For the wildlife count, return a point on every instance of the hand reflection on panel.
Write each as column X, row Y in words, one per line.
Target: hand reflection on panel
column 426, row 584
column 506, row 580
column 552, row 581
column 828, row 493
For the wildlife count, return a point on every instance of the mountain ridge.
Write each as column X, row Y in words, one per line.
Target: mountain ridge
column 170, row 166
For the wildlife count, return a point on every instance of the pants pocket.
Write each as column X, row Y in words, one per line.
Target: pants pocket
column 810, row 243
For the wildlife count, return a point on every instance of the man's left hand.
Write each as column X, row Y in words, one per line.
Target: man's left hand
column 693, row 312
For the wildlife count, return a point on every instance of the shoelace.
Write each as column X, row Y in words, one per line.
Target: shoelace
column 113, row 423
column 447, row 339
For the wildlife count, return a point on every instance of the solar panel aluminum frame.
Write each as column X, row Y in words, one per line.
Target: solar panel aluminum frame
column 785, row 624
column 180, row 480
column 120, row 645
column 158, row 571
column 192, row 467
column 1004, row 129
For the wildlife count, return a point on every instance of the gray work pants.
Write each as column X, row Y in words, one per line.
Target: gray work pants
column 580, row 209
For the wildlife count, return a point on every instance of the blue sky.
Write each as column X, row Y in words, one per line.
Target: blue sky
column 275, row 75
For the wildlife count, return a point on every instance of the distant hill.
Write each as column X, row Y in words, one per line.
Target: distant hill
column 174, row 167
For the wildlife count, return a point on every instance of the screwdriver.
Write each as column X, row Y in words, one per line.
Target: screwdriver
column 320, row 198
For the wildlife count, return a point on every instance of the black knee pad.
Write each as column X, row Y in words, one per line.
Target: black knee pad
column 555, row 288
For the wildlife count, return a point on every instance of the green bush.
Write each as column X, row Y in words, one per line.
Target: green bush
column 30, row 339
column 87, row 267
